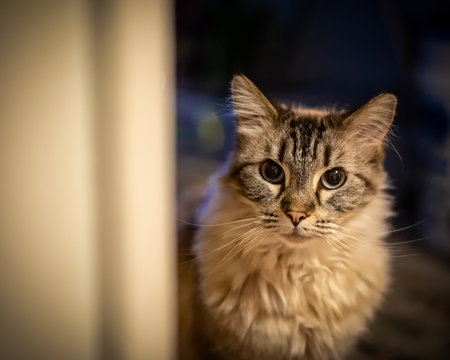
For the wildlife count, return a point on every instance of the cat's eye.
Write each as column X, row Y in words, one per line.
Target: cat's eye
column 333, row 179
column 272, row 172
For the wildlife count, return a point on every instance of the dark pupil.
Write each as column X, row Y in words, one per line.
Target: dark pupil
column 334, row 177
column 272, row 171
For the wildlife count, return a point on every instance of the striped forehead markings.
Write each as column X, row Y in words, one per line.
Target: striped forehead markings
column 305, row 134
column 294, row 145
column 282, row 150
column 316, row 141
column 326, row 156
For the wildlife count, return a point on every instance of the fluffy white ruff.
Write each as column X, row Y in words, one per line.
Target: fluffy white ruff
column 266, row 299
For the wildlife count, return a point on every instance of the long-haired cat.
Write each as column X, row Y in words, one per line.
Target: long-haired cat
column 287, row 258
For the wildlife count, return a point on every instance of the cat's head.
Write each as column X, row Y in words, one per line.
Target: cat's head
column 301, row 169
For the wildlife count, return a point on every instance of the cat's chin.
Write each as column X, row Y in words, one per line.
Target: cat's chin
column 296, row 238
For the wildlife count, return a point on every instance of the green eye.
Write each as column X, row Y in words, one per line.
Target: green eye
column 272, row 172
column 333, row 179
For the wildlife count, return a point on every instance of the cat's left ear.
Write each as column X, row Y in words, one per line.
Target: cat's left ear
column 368, row 126
column 252, row 109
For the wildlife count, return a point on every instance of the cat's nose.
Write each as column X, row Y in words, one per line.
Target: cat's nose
column 296, row 216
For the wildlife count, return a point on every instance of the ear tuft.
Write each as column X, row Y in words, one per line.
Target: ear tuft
column 369, row 125
column 252, row 109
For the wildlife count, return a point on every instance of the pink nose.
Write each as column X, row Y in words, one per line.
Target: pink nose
column 296, row 217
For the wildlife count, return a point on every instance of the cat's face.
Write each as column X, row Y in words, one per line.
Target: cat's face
column 304, row 170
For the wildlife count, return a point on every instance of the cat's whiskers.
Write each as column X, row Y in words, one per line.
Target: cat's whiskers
column 387, row 244
column 202, row 254
column 383, row 233
column 218, row 224
column 327, row 236
column 252, row 235
column 351, row 240
column 333, row 235
column 244, row 236
column 330, row 239
column 255, row 241
column 209, row 252
column 340, row 242
column 333, row 243
column 393, row 247
column 405, row 242
column 233, row 239
column 403, row 255
column 390, row 144
column 341, row 238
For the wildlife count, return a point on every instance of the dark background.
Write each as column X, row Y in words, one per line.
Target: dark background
column 340, row 53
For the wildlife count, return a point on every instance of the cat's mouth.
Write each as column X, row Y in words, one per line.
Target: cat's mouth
column 296, row 238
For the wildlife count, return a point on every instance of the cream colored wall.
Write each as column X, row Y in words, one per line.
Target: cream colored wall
column 86, row 150
column 136, row 177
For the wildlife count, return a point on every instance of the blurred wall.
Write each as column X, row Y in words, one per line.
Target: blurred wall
column 85, row 225
column 47, row 226
column 135, row 131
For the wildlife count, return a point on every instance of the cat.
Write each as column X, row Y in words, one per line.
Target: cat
column 287, row 258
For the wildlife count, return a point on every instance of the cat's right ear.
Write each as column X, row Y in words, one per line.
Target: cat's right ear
column 252, row 109
column 368, row 126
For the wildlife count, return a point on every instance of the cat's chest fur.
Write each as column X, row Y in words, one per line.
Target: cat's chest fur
column 289, row 304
